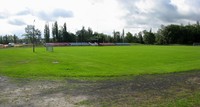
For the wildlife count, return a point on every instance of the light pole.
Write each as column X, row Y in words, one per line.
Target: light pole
column 34, row 36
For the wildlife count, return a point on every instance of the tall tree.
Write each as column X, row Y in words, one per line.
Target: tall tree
column 140, row 38
column 38, row 37
column 15, row 38
column 83, row 35
column 1, row 39
column 29, row 29
column 159, row 37
column 30, row 32
column 117, row 37
column 60, row 34
column 135, row 38
column 47, row 33
column 129, row 37
column 55, row 32
column 149, row 37
column 66, row 35
column 89, row 32
column 123, row 36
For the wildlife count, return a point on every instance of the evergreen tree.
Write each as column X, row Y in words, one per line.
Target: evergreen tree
column 1, row 39
column 117, row 37
column 140, row 38
column 129, row 37
column 66, row 37
column 47, row 33
column 123, row 35
column 149, row 37
column 55, row 34
column 15, row 38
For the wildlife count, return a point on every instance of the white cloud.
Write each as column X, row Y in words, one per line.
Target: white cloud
column 101, row 15
column 54, row 15
column 147, row 14
column 180, row 4
column 26, row 11
column 16, row 22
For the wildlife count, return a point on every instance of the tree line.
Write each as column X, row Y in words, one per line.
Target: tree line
column 27, row 37
column 9, row 38
column 60, row 34
column 170, row 34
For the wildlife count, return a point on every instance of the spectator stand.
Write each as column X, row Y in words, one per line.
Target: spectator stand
column 122, row 44
column 79, row 44
column 106, row 44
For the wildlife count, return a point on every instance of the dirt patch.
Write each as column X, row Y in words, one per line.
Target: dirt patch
column 35, row 93
column 130, row 91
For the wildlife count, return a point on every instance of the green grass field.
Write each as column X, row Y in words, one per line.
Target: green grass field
column 129, row 63
column 97, row 61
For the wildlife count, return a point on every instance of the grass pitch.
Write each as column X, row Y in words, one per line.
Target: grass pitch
column 93, row 63
column 97, row 61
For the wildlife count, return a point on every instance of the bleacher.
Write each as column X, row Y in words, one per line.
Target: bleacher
column 87, row 44
column 79, row 44
column 122, row 44
column 93, row 44
column 106, row 44
column 57, row 44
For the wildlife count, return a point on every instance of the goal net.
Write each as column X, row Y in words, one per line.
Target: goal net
column 196, row 44
column 49, row 48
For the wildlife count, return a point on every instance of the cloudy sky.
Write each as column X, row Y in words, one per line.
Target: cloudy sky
column 101, row 15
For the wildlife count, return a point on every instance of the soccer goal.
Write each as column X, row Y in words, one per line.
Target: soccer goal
column 196, row 44
column 49, row 48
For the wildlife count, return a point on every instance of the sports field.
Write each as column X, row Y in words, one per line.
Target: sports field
column 97, row 61
column 131, row 76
